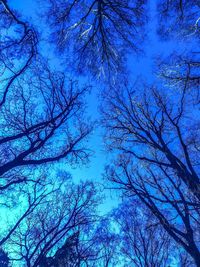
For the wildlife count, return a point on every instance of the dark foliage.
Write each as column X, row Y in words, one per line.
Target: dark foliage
column 4, row 259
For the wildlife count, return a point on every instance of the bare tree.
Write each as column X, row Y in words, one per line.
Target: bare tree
column 41, row 117
column 107, row 243
column 47, row 229
column 64, row 256
column 159, row 134
column 97, row 32
column 36, row 104
column 41, row 106
column 182, row 71
column 18, row 48
column 79, row 249
column 29, row 200
column 180, row 17
column 144, row 242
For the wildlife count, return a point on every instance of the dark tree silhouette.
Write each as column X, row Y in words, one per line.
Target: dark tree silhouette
column 182, row 71
column 144, row 243
column 41, row 118
column 33, row 197
column 41, row 105
column 37, row 112
column 180, row 17
column 36, row 104
column 18, row 48
column 46, row 235
column 159, row 134
column 51, row 221
column 98, row 32
column 64, row 256
column 4, row 259
column 74, row 252
column 106, row 243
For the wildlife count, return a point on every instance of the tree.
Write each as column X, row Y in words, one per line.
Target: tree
column 38, row 106
column 46, row 235
column 4, row 259
column 30, row 199
column 100, row 33
column 106, row 242
column 75, row 252
column 153, row 134
column 179, row 17
column 32, row 120
column 36, row 103
column 182, row 71
column 64, row 256
column 144, row 242
column 18, row 48
column 51, row 221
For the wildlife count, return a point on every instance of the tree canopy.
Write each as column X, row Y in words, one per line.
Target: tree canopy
column 58, row 61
